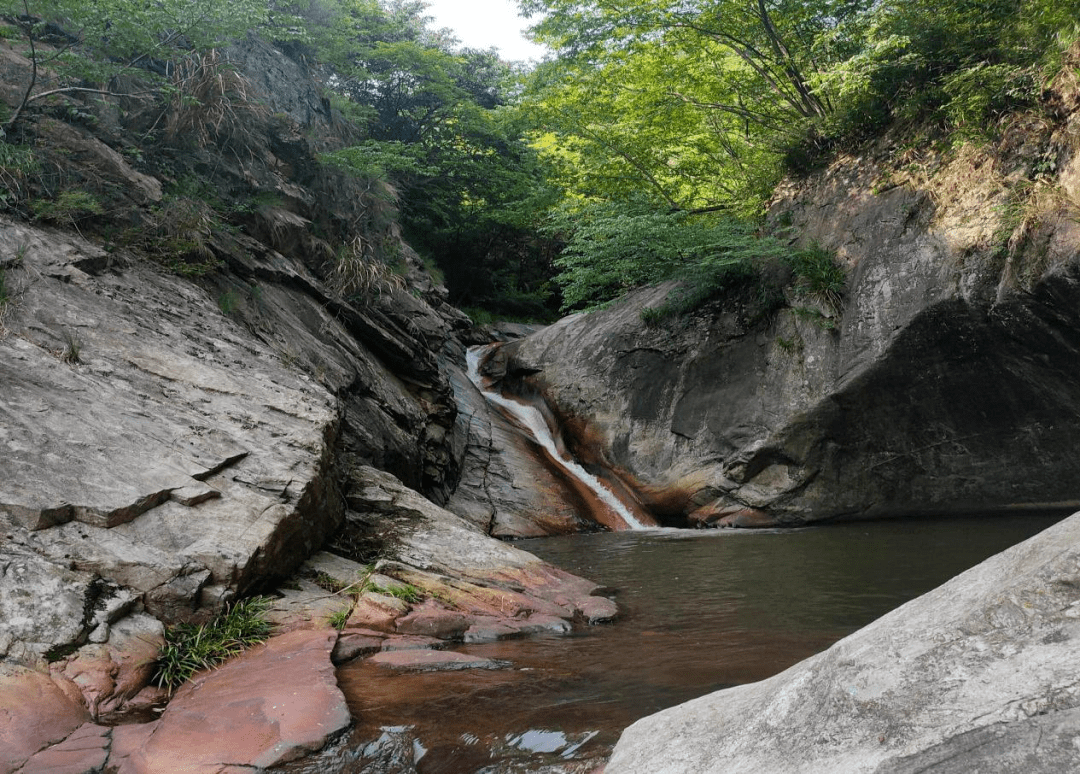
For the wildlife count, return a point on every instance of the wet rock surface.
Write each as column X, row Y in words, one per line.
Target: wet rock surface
column 980, row 670
column 505, row 487
column 174, row 435
column 276, row 703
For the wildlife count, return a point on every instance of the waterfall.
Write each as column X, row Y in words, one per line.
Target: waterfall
column 532, row 421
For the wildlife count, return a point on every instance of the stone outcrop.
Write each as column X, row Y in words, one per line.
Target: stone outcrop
column 474, row 583
column 956, row 339
column 184, row 393
column 977, row 675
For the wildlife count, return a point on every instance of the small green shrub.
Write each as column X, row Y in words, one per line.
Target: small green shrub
column 67, row 208
column 190, row 648
column 229, row 301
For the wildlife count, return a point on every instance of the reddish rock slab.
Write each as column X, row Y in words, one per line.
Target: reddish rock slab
column 350, row 646
column 492, row 630
column 430, row 619
column 127, row 740
column 34, row 713
column 376, row 611
column 597, row 610
column 84, row 752
column 433, row 661
column 541, row 624
column 274, row 704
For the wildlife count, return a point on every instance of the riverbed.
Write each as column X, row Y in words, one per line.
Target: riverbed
column 700, row 611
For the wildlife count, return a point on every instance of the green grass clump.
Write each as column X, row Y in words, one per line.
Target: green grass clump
column 818, row 275
column 190, row 648
column 406, row 591
column 67, row 208
column 339, row 618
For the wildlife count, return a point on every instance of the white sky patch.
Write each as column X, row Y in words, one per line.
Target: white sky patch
column 487, row 23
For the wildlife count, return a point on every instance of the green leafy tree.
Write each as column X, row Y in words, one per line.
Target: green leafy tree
column 436, row 124
column 72, row 43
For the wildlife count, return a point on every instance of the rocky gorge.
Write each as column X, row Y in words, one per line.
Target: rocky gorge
column 173, row 440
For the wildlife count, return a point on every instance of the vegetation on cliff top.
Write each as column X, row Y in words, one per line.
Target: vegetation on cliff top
column 700, row 107
column 644, row 148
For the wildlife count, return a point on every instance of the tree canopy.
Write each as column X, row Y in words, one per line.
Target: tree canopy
column 701, row 105
column 649, row 139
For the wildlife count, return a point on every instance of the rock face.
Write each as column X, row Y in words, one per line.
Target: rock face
column 956, row 340
column 977, row 675
column 476, row 580
column 181, row 403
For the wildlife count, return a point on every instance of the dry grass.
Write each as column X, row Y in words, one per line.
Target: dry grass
column 363, row 266
column 357, row 270
column 210, row 102
column 186, row 225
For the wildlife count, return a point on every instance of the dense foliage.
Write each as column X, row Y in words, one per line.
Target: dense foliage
column 436, row 123
column 701, row 105
column 643, row 148
column 699, row 102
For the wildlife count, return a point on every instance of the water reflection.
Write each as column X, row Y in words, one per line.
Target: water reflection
column 701, row 611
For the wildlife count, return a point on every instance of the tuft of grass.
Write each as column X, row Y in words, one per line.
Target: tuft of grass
column 406, row 591
column 190, row 648
column 339, row 618
column 357, row 271
column 67, row 208
column 17, row 165
column 72, row 352
column 653, row 316
column 818, row 275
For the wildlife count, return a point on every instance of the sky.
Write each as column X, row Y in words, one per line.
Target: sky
column 486, row 23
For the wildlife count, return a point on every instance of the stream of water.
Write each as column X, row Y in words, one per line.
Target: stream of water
column 533, row 422
column 700, row 611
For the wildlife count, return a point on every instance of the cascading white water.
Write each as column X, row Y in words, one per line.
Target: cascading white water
column 533, row 421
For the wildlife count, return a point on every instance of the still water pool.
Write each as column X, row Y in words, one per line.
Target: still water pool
column 700, row 611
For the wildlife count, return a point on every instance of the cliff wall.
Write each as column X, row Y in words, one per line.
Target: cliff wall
column 942, row 383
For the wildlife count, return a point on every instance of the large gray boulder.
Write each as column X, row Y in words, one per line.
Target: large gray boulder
column 957, row 340
column 980, row 674
column 154, row 452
